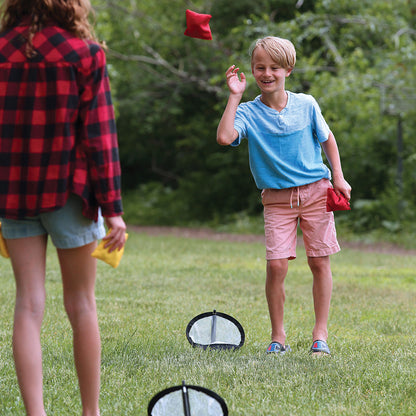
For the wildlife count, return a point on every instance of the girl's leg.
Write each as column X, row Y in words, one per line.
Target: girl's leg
column 28, row 257
column 322, row 291
column 275, row 294
column 78, row 270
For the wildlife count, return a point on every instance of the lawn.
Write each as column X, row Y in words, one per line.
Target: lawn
column 164, row 281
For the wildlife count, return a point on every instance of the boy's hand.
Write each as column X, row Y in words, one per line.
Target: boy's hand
column 341, row 186
column 235, row 85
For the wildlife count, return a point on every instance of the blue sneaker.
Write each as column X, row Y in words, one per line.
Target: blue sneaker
column 320, row 347
column 277, row 348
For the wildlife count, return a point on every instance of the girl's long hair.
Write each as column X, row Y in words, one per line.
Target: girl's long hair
column 71, row 15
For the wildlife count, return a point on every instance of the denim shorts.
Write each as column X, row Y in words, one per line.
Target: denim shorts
column 67, row 227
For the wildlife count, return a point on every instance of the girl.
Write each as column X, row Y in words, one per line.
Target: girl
column 60, row 175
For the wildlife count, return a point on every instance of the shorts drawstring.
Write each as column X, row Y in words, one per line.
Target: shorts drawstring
column 291, row 196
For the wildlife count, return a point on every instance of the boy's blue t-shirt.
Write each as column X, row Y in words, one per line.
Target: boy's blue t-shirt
column 284, row 147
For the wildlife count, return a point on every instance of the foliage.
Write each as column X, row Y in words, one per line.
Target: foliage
column 358, row 58
column 163, row 282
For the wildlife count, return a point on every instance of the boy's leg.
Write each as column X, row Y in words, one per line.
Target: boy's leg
column 319, row 236
column 275, row 294
column 28, row 257
column 78, row 275
column 322, row 291
column 280, row 224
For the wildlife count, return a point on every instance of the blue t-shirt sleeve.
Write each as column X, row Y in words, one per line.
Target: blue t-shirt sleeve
column 320, row 127
column 240, row 125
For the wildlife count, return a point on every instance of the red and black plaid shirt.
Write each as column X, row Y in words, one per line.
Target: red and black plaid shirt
column 57, row 126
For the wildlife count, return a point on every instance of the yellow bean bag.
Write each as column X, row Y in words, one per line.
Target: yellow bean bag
column 113, row 258
column 3, row 246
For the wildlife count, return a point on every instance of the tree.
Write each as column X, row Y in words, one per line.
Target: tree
column 357, row 57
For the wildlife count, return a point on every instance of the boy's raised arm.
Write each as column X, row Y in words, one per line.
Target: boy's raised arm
column 226, row 133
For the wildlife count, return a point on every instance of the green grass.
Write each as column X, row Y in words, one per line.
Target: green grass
column 163, row 282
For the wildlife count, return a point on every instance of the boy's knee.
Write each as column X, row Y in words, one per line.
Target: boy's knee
column 319, row 265
column 277, row 268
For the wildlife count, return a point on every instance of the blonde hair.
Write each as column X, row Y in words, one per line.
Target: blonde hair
column 282, row 51
column 71, row 15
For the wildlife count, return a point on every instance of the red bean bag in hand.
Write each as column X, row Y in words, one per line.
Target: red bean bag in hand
column 336, row 202
column 197, row 25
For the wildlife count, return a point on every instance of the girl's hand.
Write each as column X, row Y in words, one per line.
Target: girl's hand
column 235, row 84
column 116, row 238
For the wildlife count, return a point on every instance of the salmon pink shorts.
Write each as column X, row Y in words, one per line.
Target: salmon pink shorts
column 285, row 209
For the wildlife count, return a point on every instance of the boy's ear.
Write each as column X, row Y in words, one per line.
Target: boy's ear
column 288, row 72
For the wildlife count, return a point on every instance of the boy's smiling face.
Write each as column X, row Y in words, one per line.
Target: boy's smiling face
column 269, row 76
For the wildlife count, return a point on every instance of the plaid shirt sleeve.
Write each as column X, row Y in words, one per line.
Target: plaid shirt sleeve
column 97, row 135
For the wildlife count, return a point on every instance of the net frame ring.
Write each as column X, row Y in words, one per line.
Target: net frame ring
column 213, row 343
column 187, row 390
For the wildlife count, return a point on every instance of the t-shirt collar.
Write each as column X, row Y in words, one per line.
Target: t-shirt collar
column 289, row 97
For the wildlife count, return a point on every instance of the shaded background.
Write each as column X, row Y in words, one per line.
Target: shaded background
column 357, row 57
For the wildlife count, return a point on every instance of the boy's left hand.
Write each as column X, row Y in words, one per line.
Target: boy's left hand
column 341, row 186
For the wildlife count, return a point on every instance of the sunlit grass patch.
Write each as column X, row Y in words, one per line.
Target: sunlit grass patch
column 163, row 282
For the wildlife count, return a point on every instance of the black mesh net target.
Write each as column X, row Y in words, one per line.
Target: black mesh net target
column 215, row 330
column 187, row 401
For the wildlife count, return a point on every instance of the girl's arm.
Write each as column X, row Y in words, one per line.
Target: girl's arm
column 332, row 154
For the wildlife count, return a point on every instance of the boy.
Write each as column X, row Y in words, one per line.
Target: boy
column 285, row 132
